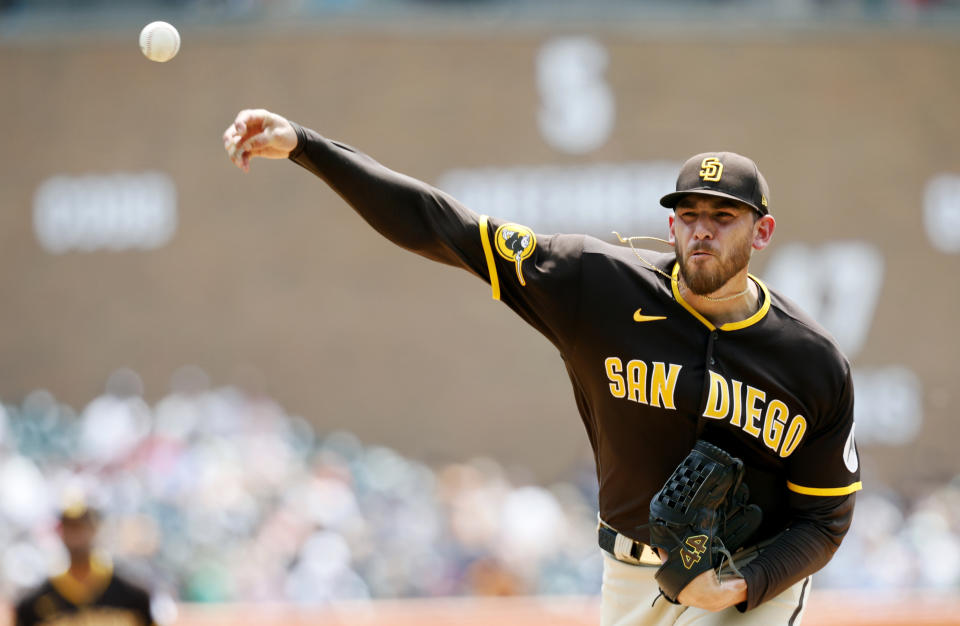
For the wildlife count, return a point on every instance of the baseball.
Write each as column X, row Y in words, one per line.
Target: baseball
column 159, row 41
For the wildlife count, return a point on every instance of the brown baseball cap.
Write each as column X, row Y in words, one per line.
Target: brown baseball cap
column 724, row 174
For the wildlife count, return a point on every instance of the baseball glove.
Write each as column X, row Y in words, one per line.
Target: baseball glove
column 700, row 516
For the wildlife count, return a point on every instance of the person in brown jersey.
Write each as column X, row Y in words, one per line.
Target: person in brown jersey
column 661, row 349
column 89, row 591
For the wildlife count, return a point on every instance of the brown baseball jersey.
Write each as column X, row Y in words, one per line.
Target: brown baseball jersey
column 649, row 373
column 104, row 599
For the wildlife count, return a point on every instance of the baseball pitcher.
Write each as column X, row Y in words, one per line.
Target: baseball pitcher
column 720, row 415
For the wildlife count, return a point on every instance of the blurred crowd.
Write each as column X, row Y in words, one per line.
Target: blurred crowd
column 900, row 541
column 216, row 495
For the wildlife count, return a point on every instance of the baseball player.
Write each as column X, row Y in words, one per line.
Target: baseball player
column 89, row 592
column 662, row 350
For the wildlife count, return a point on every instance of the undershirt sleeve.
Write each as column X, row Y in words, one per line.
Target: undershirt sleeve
column 806, row 545
column 535, row 275
column 408, row 212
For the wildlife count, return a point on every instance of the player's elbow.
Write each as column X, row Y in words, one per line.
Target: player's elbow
column 831, row 519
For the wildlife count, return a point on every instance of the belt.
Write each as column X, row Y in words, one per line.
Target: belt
column 624, row 548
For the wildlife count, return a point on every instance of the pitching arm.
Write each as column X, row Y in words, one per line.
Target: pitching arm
column 530, row 274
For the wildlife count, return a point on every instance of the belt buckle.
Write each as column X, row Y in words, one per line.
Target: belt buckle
column 623, row 549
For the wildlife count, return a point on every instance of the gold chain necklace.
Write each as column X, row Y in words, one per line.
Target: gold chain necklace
column 629, row 240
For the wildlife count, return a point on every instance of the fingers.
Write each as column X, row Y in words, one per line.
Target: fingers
column 258, row 133
column 237, row 138
column 255, row 145
column 231, row 140
column 250, row 118
column 257, row 141
column 236, row 154
column 242, row 122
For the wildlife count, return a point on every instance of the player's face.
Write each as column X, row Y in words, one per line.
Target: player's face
column 714, row 238
column 78, row 534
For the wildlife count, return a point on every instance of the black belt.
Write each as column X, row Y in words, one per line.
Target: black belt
column 624, row 548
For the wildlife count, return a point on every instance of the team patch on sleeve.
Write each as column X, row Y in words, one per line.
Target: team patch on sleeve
column 515, row 243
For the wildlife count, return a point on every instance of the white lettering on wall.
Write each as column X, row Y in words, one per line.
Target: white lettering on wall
column 888, row 407
column 838, row 284
column 592, row 199
column 105, row 212
column 576, row 105
column 941, row 212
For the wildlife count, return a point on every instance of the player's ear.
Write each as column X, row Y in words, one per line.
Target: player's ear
column 763, row 232
column 672, row 238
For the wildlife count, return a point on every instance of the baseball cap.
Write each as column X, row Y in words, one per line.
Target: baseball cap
column 78, row 513
column 75, row 507
column 724, row 174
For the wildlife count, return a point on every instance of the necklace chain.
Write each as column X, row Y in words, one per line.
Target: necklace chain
column 629, row 240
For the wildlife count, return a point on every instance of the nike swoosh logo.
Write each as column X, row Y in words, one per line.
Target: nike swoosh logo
column 639, row 317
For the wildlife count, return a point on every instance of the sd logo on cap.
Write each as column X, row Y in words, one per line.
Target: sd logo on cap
column 725, row 174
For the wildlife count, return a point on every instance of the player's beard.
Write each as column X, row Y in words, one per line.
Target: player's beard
column 706, row 280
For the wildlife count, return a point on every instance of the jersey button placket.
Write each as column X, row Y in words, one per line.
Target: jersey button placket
column 710, row 361
column 714, row 335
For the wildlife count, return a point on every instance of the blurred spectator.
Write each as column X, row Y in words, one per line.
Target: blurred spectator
column 89, row 591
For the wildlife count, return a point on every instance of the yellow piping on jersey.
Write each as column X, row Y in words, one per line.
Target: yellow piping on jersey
column 488, row 254
column 825, row 491
column 753, row 319
column 80, row 593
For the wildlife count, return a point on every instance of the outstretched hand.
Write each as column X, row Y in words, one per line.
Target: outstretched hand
column 258, row 133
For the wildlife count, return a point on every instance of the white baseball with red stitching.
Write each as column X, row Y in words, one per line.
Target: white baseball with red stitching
column 159, row 41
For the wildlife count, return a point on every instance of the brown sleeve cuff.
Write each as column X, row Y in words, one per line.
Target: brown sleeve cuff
column 756, row 586
column 301, row 141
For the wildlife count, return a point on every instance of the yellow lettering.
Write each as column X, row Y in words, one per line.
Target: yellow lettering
column 614, row 367
column 798, row 427
column 773, row 423
column 663, row 385
column 718, row 402
column 753, row 411
column 637, row 381
column 736, row 418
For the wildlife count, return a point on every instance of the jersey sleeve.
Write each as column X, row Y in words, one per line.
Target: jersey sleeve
column 24, row 613
column 533, row 274
column 826, row 463
column 817, row 527
column 23, row 616
column 143, row 608
column 537, row 276
column 823, row 474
